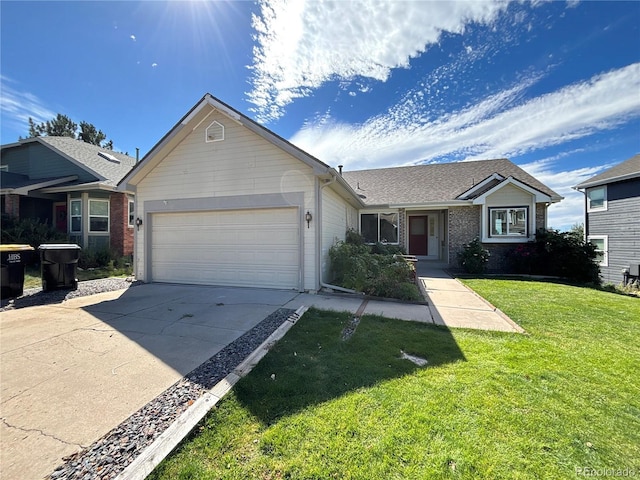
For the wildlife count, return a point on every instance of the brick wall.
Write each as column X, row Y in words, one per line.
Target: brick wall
column 120, row 232
column 402, row 221
column 12, row 205
column 541, row 215
column 464, row 226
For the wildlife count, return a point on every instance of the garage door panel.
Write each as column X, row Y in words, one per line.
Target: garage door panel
column 241, row 248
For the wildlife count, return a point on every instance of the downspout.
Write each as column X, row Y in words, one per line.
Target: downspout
column 319, row 240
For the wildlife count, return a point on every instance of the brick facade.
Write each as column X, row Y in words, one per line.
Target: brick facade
column 402, row 221
column 121, row 234
column 12, row 205
column 464, row 226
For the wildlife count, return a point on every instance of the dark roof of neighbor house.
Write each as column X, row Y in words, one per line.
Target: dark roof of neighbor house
column 623, row 171
column 433, row 183
column 107, row 166
column 111, row 171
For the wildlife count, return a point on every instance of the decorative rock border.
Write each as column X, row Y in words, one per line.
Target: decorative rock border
column 136, row 446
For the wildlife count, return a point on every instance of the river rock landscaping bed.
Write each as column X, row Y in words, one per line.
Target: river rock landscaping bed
column 32, row 297
column 110, row 455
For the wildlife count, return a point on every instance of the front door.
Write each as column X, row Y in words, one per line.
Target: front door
column 418, row 235
column 61, row 217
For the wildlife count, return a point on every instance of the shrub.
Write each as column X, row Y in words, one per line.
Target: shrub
column 28, row 231
column 356, row 267
column 95, row 259
column 557, row 254
column 473, row 258
column 353, row 237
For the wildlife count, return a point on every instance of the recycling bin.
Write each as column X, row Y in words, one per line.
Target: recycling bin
column 13, row 258
column 59, row 266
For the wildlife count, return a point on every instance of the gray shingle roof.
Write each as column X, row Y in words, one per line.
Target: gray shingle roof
column 441, row 182
column 86, row 154
column 623, row 171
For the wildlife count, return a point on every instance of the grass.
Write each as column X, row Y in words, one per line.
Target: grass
column 488, row 404
column 33, row 278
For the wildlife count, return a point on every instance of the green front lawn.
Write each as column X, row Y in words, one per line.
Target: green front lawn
column 488, row 405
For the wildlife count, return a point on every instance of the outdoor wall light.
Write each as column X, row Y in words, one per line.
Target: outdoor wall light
column 308, row 218
column 138, row 222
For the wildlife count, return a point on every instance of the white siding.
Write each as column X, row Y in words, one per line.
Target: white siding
column 337, row 217
column 510, row 196
column 242, row 164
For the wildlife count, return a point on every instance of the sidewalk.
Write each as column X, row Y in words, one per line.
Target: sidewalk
column 456, row 306
column 449, row 303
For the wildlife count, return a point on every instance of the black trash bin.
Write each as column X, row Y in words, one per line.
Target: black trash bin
column 13, row 258
column 59, row 265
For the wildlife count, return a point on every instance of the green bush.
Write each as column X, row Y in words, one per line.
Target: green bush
column 28, row 231
column 95, row 259
column 473, row 258
column 559, row 254
column 357, row 267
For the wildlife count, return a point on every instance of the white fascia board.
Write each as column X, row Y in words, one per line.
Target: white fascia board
column 598, row 183
column 431, row 205
column 539, row 196
column 37, row 186
column 80, row 188
column 478, row 186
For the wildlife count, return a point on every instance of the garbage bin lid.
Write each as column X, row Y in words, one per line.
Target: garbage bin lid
column 14, row 247
column 59, row 246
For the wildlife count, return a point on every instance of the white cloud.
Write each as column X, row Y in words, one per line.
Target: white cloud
column 132, row 37
column 154, row 65
column 18, row 105
column 502, row 124
column 301, row 45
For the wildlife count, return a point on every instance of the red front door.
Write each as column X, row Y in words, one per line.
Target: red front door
column 418, row 235
column 61, row 218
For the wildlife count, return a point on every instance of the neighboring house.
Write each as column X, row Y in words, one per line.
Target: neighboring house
column 222, row 200
column 612, row 217
column 71, row 185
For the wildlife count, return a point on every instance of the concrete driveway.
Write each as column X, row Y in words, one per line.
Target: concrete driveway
column 70, row 372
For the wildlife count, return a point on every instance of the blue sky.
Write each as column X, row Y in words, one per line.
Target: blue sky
column 554, row 86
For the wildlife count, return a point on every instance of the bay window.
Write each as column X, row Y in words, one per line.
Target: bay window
column 76, row 216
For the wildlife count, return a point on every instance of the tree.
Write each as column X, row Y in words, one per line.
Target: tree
column 63, row 126
column 89, row 134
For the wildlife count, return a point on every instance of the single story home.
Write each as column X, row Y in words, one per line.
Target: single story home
column 71, row 185
column 612, row 219
column 222, row 200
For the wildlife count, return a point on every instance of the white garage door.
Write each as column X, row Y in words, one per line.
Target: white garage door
column 256, row 248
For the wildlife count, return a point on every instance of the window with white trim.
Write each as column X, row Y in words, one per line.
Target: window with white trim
column 76, row 216
column 508, row 222
column 601, row 243
column 379, row 227
column 597, row 199
column 132, row 211
column 98, row 216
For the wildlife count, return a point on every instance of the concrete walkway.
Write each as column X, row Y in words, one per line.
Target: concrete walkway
column 449, row 303
column 453, row 304
column 72, row 371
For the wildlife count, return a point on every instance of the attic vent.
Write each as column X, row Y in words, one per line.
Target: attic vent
column 109, row 157
column 214, row 132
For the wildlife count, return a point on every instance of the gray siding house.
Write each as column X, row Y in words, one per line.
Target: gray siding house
column 612, row 217
column 71, row 185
